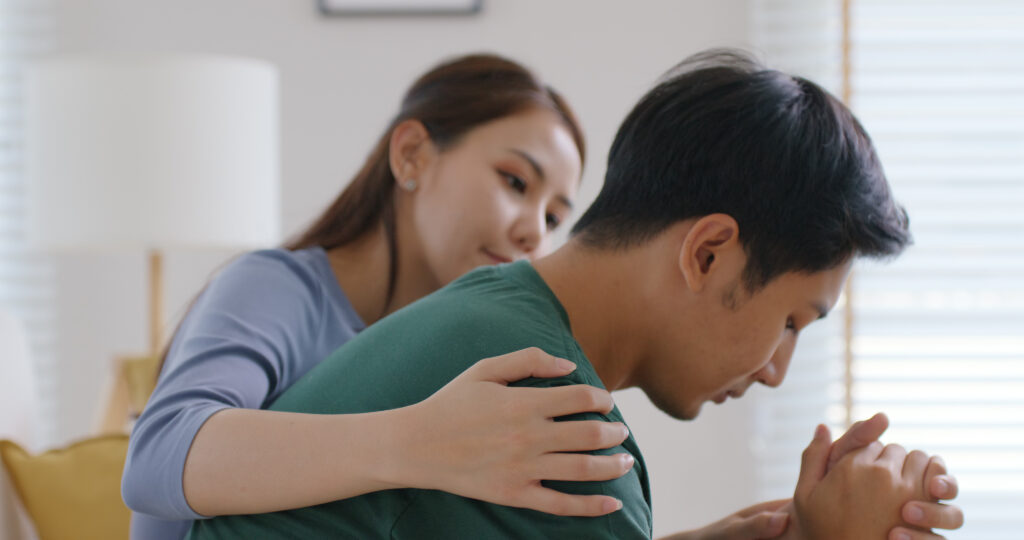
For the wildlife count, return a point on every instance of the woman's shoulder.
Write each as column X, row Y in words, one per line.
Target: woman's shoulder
column 301, row 276
column 274, row 280
column 301, row 261
column 275, row 268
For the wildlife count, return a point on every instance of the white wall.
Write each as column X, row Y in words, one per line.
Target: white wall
column 341, row 81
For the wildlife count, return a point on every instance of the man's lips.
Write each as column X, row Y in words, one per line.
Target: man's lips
column 498, row 259
column 735, row 394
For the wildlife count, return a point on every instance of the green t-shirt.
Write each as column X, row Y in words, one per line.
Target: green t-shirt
column 406, row 357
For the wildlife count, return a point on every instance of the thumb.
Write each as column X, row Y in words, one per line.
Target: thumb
column 518, row 365
column 814, row 461
column 858, row 436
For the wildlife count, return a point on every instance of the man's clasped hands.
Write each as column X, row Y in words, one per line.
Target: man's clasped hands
column 855, row 488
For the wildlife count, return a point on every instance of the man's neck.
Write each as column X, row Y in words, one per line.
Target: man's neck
column 602, row 302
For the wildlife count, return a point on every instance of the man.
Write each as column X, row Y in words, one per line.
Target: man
column 735, row 201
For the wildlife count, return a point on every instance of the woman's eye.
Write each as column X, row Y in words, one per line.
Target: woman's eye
column 515, row 182
column 790, row 325
column 552, row 221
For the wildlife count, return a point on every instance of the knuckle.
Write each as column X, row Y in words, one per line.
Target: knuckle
column 534, row 352
column 587, row 467
column 593, row 435
column 936, row 466
column 879, row 472
column 879, row 468
column 895, row 448
column 590, row 398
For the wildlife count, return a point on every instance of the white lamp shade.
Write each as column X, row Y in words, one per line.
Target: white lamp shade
column 17, row 386
column 152, row 151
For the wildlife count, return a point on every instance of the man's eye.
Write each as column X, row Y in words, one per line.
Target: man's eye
column 515, row 182
column 790, row 325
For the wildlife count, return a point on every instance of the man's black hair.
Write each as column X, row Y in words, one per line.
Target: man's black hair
column 788, row 161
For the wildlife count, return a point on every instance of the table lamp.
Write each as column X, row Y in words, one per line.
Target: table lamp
column 151, row 151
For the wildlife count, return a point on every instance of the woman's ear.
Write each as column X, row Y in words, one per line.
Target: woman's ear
column 709, row 247
column 410, row 151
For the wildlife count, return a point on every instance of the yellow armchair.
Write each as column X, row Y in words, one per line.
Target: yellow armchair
column 72, row 492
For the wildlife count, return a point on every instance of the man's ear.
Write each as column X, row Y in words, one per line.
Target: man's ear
column 410, row 150
column 711, row 244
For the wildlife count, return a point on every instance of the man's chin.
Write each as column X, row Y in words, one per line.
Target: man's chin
column 675, row 409
column 692, row 413
column 685, row 412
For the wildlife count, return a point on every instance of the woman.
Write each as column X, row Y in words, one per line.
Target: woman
column 478, row 167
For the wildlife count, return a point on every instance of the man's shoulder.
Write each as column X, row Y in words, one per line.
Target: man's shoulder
column 421, row 347
column 491, row 292
column 480, row 315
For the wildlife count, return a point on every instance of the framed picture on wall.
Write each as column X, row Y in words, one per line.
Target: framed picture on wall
column 399, row 7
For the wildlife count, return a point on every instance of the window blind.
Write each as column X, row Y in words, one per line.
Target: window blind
column 26, row 278
column 939, row 333
column 801, row 37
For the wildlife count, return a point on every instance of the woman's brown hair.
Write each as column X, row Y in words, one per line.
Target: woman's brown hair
column 450, row 100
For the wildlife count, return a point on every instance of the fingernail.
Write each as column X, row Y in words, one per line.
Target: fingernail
column 612, row 505
column 902, row 536
column 564, row 364
column 625, row 431
column 943, row 486
column 915, row 514
column 627, row 460
column 777, row 521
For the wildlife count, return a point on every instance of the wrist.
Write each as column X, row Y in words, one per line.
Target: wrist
column 375, row 446
column 396, row 449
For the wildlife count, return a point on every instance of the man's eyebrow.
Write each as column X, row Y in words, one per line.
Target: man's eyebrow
column 540, row 173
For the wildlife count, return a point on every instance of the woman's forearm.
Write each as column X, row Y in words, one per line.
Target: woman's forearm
column 475, row 437
column 245, row 461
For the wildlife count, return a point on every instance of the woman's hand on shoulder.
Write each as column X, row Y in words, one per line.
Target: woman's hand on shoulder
column 480, row 438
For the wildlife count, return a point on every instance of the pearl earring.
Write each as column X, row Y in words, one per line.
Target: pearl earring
column 409, row 185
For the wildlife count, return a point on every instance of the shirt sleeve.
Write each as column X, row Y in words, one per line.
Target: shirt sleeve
column 240, row 345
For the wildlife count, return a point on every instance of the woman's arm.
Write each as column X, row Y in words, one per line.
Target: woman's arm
column 203, row 447
column 475, row 437
column 256, row 328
